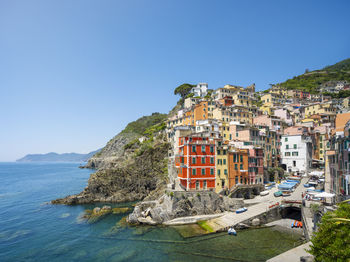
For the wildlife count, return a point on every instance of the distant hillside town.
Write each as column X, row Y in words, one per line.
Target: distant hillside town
column 234, row 135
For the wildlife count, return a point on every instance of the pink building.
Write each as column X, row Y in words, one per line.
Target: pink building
column 284, row 114
column 239, row 132
column 265, row 120
column 256, row 165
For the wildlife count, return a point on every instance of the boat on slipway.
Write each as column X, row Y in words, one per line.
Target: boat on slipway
column 241, row 210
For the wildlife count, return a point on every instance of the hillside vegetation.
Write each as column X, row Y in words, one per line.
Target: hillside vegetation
column 112, row 153
column 310, row 81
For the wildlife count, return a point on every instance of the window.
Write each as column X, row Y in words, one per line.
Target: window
column 234, row 158
column 203, row 171
column 212, row 171
column 236, row 167
column 194, row 172
column 287, row 153
column 203, row 149
column 224, row 152
column 286, row 139
column 225, row 171
column 224, row 161
column 287, row 146
column 219, row 172
column 294, row 153
column 193, row 148
column 218, row 152
column 240, row 158
column 212, row 160
column 236, row 180
column 295, row 146
column 203, row 160
column 211, row 149
column 236, row 134
column 193, row 160
column 241, row 166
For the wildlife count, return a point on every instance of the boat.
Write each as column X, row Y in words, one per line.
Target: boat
column 278, row 193
column 241, row 210
column 297, row 224
column 307, row 185
column 285, row 194
column 264, row 193
column 232, row 231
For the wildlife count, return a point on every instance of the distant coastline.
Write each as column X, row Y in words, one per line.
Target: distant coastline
column 55, row 157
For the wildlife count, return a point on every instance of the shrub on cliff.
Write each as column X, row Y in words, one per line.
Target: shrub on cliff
column 332, row 240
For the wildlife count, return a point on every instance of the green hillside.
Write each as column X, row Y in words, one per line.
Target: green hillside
column 310, row 81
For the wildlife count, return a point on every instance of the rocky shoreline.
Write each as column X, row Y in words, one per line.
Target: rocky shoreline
column 176, row 204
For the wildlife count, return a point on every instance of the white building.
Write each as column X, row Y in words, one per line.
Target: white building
column 296, row 153
column 208, row 128
column 201, row 90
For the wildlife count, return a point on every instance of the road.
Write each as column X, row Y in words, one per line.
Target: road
column 260, row 205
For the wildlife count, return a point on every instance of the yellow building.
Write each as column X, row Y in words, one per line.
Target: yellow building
column 272, row 98
column 267, row 108
column 279, row 91
column 271, row 148
column 319, row 108
column 233, row 113
column 242, row 98
column 221, row 179
column 225, row 130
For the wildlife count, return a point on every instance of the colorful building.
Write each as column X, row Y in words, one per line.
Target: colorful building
column 196, row 163
column 222, row 181
column 238, row 166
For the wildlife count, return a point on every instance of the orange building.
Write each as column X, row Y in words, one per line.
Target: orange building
column 238, row 167
column 195, row 163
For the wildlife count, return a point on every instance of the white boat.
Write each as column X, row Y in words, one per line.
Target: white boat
column 232, row 231
column 264, row 193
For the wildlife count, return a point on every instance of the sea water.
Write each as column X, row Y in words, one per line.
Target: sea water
column 32, row 229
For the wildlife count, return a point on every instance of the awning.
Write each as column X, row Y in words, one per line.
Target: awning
column 325, row 194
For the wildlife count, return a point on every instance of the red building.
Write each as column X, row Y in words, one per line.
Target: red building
column 196, row 163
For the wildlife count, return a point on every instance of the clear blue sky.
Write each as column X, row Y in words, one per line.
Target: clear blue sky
column 74, row 73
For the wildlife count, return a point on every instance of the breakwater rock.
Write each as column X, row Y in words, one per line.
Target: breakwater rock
column 174, row 204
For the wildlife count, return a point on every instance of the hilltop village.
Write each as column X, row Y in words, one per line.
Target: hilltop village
column 235, row 136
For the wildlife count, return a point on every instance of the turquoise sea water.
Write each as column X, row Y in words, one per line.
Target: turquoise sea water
column 33, row 230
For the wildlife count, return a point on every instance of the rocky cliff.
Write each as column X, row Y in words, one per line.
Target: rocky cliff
column 131, row 167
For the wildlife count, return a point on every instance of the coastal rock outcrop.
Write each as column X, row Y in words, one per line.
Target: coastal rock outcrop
column 142, row 175
column 176, row 204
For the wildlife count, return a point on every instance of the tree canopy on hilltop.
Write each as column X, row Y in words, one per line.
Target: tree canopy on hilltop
column 183, row 90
